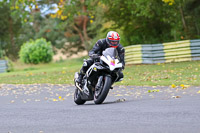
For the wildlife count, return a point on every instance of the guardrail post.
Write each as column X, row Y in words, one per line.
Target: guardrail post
column 3, row 66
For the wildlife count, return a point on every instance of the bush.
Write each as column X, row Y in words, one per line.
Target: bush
column 9, row 65
column 34, row 52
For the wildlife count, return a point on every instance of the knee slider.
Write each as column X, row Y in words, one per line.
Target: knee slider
column 85, row 64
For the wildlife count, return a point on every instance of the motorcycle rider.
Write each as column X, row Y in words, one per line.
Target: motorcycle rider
column 112, row 40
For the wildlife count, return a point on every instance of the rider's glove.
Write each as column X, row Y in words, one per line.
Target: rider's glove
column 94, row 56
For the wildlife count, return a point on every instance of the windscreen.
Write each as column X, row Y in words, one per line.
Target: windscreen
column 112, row 52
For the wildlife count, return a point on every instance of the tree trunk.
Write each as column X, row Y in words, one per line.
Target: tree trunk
column 80, row 35
column 36, row 25
column 85, row 28
column 183, row 21
column 196, row 24
column 11, row 34
column 85, row 21
column 11, row 46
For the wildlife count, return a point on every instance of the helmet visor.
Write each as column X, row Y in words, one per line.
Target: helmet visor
column 114, row 42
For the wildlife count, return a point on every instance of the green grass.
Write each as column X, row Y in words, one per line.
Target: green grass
column 54, row 73
column 187, row 73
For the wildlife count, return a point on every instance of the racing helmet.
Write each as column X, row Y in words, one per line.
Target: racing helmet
column 113, row 39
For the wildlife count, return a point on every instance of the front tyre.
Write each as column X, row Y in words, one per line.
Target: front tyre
column 77, row 97
column 98, row 99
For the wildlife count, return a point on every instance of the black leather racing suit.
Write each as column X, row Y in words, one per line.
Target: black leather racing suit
column 98, row 48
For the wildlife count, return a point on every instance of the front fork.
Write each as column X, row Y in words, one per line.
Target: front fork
column 99, row 82
column 76, row 83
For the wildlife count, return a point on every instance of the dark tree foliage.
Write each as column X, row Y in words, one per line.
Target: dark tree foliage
column 81, row 23
column 9, row 31
column 154, row 21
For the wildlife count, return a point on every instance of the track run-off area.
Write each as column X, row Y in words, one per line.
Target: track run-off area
column 48, row 108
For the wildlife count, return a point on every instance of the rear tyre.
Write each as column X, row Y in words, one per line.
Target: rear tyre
column 77, row 97
column 98, row 99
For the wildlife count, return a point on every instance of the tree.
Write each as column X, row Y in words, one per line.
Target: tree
column 193, row 8
column 152, row 21
column 78, row 15
column 22, row 20
column 9, row 31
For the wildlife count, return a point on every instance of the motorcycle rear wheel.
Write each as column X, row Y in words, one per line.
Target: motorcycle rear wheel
column 98, row 99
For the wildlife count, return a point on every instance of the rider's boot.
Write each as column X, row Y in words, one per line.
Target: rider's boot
column 80, row 78
column 82, row 72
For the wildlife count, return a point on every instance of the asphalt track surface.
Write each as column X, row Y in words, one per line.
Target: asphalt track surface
column 46, row 108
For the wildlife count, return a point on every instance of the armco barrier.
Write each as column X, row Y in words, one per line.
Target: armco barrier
column 163, row 53
column 195, row 49
column 177, row 51
column 152, row 54
column 3, row 66
column 133, row 54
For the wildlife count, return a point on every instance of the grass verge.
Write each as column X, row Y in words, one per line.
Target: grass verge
column 185, row 73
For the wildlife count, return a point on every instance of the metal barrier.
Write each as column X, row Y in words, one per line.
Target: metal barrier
column 163, row 53
column 3, row 66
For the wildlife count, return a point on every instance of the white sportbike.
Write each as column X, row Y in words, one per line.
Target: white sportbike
column 99, row 78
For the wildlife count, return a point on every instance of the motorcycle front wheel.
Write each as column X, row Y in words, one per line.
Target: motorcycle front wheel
column 77, row 97
column 99, row 97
